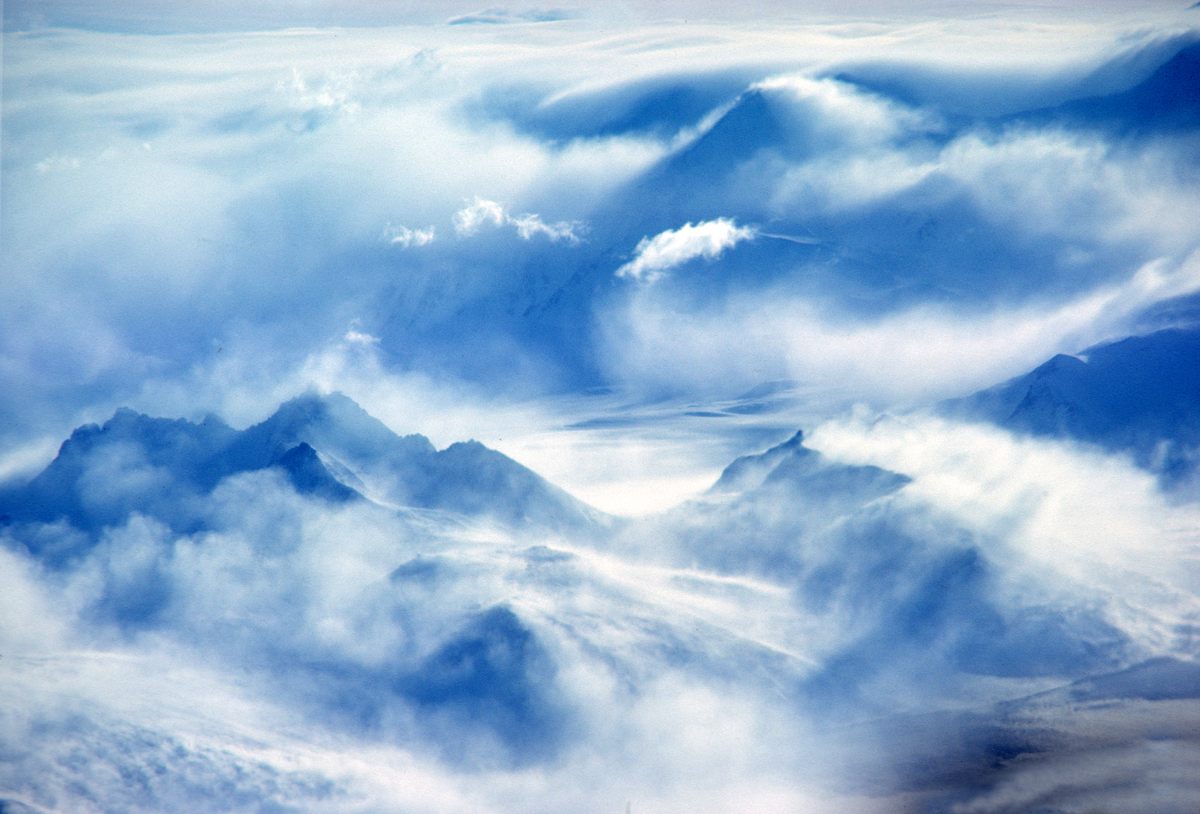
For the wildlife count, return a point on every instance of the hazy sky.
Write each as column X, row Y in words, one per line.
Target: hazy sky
column 226, row 15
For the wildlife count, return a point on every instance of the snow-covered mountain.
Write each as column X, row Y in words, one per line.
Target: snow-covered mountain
column 326, row 446
column 586, row 232
column 513, row 629
column 1139, row 395
column 1166, row 102
column 868, row 198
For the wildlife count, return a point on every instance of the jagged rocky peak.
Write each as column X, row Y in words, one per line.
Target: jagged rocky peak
column 750, row 471
column 794, row 472
column 157, row 435
column 309, row 476
column 327, row 446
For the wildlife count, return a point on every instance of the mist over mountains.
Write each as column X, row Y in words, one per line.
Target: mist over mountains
column 324, row 445
column 1140, row 395
column 457, row 621
column 833, row 375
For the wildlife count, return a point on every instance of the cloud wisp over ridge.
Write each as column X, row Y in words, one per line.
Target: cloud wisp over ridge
column 655, row 256
column 483, row 212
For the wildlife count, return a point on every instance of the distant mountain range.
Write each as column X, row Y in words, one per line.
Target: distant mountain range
column 326, row 446
column 807, row 581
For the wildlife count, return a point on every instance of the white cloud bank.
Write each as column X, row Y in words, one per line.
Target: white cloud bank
column 917, row 355
column 655, row 256
column 151, row 217
column 247, row 159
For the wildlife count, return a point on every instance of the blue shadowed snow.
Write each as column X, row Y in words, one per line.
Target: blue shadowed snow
column 493, row 675
column 1140, row 395
column 890, row 592
column 1166, row 102
column 933, row 242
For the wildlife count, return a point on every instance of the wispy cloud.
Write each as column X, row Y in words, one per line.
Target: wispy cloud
column 919, row 353
column 356, row 337
column 483, row 212
column 405, row 237
column 529, row 226
column 503, row 16
column 1044, row 502
column 478, row 213
column 655, row 256
column 248, row 204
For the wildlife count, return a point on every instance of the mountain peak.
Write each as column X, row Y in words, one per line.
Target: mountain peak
column 1166, row 101
column 309, row 475
column 751, row 471
column 1059, row 363
column 312, row 405
column 1140, row 394
column 326, row 445
column 333, row 423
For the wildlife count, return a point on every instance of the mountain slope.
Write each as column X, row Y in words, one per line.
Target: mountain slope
column 823, row 598
column 1167, row 101
column 1140, row 396
column 897, row 586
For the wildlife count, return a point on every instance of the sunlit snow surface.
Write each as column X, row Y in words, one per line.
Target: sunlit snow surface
column 835, row 375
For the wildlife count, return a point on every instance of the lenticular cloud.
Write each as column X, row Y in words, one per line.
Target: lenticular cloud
column 587, row 410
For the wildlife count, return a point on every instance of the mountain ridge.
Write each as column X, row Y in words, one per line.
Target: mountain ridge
column 327, row 446
column 1139, row 395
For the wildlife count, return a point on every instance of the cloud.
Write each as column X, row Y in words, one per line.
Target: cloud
column 1094, row 520
column 1083, row 189
column 193, row 224
column 356, row 337
column 252, row 375
column 654, row 257
column 273, row 176
column 529, row 226
column 478, row 213
column 844, row 116
column 33, row 621
column 922, row 353
column 405, row 237
column 286, row 610
column 1153, row 773
column 283, row 609
column 482, row 212
column 335, row 92
column 361, row 596
column 502, row 16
